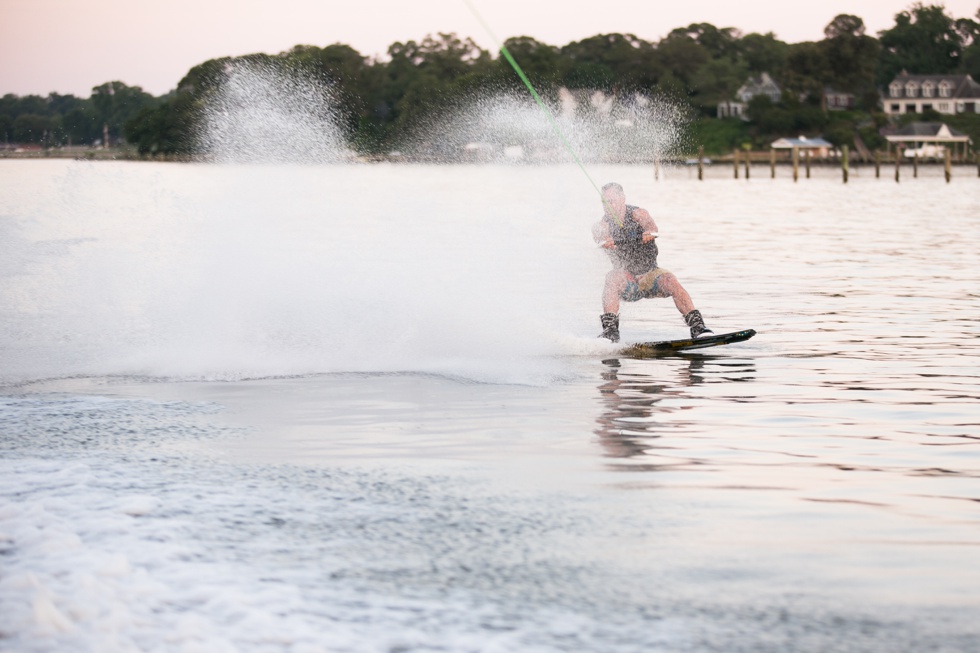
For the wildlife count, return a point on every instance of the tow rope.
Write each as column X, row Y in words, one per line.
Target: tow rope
column 544, row 107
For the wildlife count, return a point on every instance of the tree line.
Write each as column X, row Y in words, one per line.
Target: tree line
column 65, row 119
column 381, row 100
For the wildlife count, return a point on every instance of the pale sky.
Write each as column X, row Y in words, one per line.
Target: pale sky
column 69, row 46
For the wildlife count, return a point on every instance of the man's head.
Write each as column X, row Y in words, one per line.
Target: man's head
column 614, row 199
column 613, row 187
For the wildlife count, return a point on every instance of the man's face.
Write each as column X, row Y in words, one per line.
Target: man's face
column 614, row 203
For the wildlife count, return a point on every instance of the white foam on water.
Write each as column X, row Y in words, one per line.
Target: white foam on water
column 147, row 552
column 241, row 271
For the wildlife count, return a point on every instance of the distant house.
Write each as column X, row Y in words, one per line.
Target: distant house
column 834, row 100
column 732, row 109
column 762, row 84
column 817, row 147
column 950, row 94
column 929, row 139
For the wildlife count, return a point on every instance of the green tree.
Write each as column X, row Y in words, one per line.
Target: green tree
column 719, row 43
column 205, row 78
column 116, row 103
column 539, row 61
column 590, row 74
column 62, row 104
column 969, row 31
column 6, row 128
column 851, row 56
column 14, row 106
column 807, row 70
column 443, row 57
column 970, row 64
column 806, row 114
column 703, row 62
column 81, row 126
column 423, row 78
column 165, row 129
column 719, row 136
column 715, row 81
column 769, row 118
column 682, row 56
column 764, row 53
column 608, row 62
column 840, row 133
column 31, row 128
column 923, row 41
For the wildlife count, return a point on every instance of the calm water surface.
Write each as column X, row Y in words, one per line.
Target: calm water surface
column 362, row 408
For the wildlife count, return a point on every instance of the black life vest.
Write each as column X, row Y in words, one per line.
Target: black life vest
column 631, row 253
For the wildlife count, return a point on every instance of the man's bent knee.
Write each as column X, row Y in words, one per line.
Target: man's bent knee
column 667, row 285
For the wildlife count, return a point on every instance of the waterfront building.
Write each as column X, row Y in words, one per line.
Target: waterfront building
column 949, row 94
column 818, row 147
column 929, row 140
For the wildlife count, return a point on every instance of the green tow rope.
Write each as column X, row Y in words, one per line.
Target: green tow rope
column 544, row 107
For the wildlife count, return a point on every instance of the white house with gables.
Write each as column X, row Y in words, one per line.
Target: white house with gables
column 761, row 85
column 950, row 94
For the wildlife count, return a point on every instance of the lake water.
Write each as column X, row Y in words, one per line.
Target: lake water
column 363, row 408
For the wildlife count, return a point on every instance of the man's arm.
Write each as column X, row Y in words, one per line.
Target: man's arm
column 645, row 220
column 600, row 233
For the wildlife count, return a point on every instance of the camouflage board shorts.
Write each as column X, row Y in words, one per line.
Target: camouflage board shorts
column 644, row 286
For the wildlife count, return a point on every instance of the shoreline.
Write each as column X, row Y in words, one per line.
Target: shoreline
column 88, row 154
column 680, row 162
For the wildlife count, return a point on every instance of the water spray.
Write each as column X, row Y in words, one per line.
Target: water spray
column 544, row 107
column 262, row 112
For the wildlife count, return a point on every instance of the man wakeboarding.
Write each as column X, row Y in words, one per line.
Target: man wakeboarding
column 629, row 236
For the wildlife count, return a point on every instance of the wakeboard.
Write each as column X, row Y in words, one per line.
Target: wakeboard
column 668, row 347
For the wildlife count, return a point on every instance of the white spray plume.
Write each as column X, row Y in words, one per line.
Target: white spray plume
column 598, row 127
column 264, row 113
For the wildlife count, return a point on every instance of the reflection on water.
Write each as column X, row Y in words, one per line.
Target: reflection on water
column 631, row 423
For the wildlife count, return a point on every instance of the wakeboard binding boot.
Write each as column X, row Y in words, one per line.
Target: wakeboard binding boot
column 610, row 327
column 696, row 322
